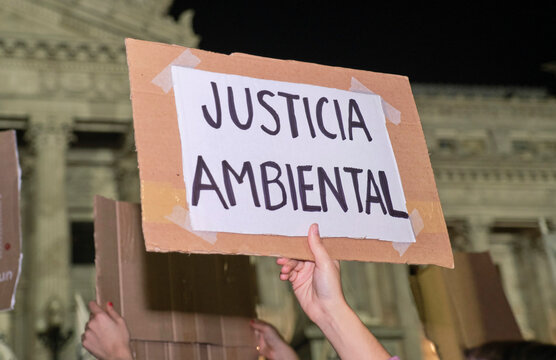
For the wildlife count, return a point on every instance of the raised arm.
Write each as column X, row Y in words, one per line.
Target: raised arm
column 318, row 289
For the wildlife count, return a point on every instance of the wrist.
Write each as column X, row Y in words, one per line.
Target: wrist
column 123, row 353
column 333, row 316
column 349, row 336
column 286, row 353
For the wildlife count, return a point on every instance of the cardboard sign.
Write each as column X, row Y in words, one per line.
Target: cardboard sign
column 296, row 175
column 158, row 350
column 464, row 307
column 10, row 228
column 173, row 298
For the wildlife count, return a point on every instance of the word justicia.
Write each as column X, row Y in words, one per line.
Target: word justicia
column 340, row 121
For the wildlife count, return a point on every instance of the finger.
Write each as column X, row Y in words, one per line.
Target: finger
column 299, row 266
column 257, row 335
column 317, row 247
column 282, row 261
column 112, row 313
column 263, row 347
column 284, row 277
column 286, row 270
column 293, row 276
column 258, row 326
column 94, row 308
column 88, row 338
column 289, row 266
column 91, row 344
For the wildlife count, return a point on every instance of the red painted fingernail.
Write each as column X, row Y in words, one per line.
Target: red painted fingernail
column 110, row 304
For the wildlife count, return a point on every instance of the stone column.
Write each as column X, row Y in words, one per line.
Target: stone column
column 549, row 278
column 532, row 285
column 478, row 232
column 48, row 253
column 548, row 239
column 277, row 304
column 19, row 334
column 543, row 260
column 506, row 251
column 127, row 171
column 407, row 312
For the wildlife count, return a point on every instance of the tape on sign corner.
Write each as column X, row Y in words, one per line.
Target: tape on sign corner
column 164, row 78
column 417, row 225
column 391, row 113
column 400, row 247
column 180, row 217
column 357, row 86
column 417, row 222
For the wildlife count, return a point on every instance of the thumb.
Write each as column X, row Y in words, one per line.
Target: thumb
column 112, row 313
column 94, row 308
column 317, row 247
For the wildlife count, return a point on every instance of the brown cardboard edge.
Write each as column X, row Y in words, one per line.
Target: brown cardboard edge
column 106, row 228
column 11, row 218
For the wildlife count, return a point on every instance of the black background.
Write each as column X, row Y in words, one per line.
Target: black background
column 452, row 42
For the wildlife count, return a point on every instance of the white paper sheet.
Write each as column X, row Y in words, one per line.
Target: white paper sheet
column 302, row 157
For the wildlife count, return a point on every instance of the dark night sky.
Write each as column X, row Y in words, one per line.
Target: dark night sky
column 455, row 42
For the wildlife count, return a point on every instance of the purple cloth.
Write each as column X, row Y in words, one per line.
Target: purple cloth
column 395, row 358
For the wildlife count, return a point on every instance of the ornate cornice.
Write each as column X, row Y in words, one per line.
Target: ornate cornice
column 454, row 174
column 487, row 145
column 477, row 91
column 65, row 68
column 107, row 19
column 27, row 47
column 494, row 127
column 432, row 108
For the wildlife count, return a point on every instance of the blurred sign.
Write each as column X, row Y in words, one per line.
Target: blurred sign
column 10, row 229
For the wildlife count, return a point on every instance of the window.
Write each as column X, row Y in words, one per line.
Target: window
column 83, row 244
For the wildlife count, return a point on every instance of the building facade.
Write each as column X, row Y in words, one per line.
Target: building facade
column 65, row 89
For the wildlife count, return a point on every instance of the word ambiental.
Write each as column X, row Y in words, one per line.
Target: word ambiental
column 375, row 194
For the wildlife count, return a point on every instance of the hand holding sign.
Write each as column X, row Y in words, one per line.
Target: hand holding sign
column 316, row 284
column 318, row 289
column 106, row 335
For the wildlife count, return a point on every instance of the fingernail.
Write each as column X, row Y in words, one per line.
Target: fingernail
column 316, row 229
column 110, row 304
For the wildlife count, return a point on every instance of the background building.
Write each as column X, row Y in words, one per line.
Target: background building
column 64, row 87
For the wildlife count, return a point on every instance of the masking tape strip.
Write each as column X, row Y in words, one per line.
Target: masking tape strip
column 180, row 217
column 400, row 247
column 417, row 224
column 391, row 113
column 164, row 78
